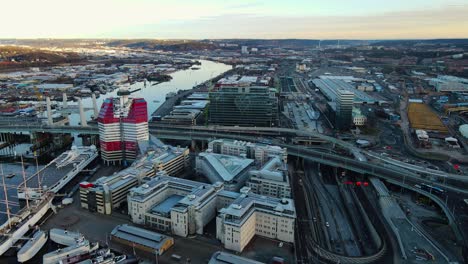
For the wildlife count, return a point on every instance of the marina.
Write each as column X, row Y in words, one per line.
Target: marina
column 44, row 182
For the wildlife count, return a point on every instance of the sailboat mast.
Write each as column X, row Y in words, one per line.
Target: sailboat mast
column 25, row 187
column 37, row 172
column 6, row 196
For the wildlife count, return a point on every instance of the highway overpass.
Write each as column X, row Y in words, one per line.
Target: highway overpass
column 402, row 174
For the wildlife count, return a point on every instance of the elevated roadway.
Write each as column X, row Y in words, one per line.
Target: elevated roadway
column 254, row 134
column 402, row 174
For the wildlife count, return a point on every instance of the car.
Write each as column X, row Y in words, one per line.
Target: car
column 327, row 224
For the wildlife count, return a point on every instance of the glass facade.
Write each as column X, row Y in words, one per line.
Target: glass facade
column 243, row 106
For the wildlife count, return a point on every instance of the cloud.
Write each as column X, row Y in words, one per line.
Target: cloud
column 244, row 19
column 449, row 22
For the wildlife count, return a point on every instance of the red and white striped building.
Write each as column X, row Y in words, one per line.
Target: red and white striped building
column 123, row 122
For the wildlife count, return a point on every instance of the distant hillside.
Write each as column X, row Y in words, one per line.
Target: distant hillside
column 412, row 42
column 18, row 57
column 293, row 43
column 166, row 45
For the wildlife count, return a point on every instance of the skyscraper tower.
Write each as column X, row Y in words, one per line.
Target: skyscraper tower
column 123, row 122
column 344, row 109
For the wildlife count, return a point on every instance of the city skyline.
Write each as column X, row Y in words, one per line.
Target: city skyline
column 335, row 19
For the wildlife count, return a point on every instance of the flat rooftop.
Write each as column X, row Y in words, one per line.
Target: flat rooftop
column 164, row 207
column 160, row 182
column 247, row 202
column 220, row 257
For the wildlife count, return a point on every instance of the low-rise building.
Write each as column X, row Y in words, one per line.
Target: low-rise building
column 359, row 119
column 252, row 214
column 175, row 205
column 220, row 257
column 271, row 180
column 233, row 171
column 143, row 239
column 108, row 193
column 261, row 153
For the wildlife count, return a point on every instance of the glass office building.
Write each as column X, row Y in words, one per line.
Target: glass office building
column 243, row 106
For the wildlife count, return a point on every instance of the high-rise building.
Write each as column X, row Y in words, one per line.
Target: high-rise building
column 344, row 109
column 244, row 50
column 123, row 122
column 243, row 106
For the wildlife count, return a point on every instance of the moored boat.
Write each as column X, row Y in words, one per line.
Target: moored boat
column 30, row 249
column 64, row 237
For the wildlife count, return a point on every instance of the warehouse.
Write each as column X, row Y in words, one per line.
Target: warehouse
column 143, row 239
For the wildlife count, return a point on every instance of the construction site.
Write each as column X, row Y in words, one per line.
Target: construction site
column 422, row 117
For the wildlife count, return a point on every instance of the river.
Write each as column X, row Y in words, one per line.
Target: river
column 154, row 96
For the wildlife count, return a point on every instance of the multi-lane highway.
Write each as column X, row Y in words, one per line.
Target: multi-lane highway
column 398, row 172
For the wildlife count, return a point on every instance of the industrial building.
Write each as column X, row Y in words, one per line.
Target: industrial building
column 252, row 214
column 231, row 170
column 261, row 153
column 271, row 180
column 330, row 86
column 444, row 83
column 143, row 239
column 220, row 257
column 243, row 106
column 123, row 123
column 176, row 205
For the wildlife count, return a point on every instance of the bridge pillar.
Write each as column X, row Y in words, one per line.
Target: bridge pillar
column 49, row 112
column 193, row 144
column 95, row 108
column 82, row 115
column 64, row 101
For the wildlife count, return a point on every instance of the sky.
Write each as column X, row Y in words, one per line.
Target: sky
column 215, row 19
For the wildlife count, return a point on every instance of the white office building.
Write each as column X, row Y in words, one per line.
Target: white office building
column 252, row 214
column 271, row 180
column 261, row 153
column 109, row 192
column 175, row 205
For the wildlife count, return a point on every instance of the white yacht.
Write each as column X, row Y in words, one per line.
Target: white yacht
column 64, row 237
column 33, row 246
